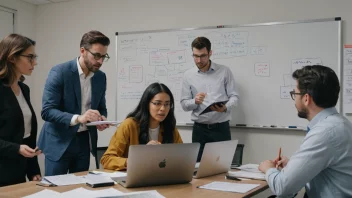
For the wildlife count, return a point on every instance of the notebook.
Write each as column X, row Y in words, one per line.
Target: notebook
column 150, row 165
column 215, row 103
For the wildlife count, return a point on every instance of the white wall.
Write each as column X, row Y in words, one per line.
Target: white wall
column 24, row 22
column 59, row 27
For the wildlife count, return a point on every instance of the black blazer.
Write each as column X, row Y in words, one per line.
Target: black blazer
column 13, row 166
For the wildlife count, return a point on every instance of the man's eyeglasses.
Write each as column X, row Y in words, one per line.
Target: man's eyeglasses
column 293, row 94
column 31, row 57
column 159, row 105
column 97, row 56
column 202, row 57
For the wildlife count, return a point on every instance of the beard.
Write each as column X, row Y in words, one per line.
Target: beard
column 201, row 65
column 302, row 113
column 90, row 66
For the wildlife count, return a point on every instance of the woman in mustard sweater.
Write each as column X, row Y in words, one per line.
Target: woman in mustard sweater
column 152, row 122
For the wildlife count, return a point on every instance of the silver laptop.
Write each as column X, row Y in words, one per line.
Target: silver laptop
column 150, row 165
column 217, row 158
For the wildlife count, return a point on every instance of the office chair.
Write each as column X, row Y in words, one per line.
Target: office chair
column 237, row 158
column 100, row 153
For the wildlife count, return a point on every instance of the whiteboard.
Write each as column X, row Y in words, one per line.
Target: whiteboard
column 261, row 57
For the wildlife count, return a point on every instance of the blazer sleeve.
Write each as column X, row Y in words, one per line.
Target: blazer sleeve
column 52, row 95
column 177, row 137
column 7, row 149
column 102, row 102
column 113, row 158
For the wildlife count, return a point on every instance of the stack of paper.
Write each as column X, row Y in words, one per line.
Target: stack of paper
column 254, row 168
column 94, row 181
column 116, row 176
column 250, row 171
column 245, row 174
column 229, row 187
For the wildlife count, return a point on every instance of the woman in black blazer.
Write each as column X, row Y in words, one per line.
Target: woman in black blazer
column 18, row 124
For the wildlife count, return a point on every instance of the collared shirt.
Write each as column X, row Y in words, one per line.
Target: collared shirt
column 323, row 162
column 86, row 94
column 219, row 85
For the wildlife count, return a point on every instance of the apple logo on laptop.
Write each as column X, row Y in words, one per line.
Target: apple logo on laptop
column 162, row 164
column 217, row 159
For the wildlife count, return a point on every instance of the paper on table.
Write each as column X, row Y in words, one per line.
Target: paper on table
column 229, row 187
column 82, row 192
column 249, row 168
column 246, row 174
column 142, row 194
column 113, row 175
column 63, row 180
column 44, row 194
column 114, row 123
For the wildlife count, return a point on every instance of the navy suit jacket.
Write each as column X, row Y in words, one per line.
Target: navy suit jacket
column 62, row 100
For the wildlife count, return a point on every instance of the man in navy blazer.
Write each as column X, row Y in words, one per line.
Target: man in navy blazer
column 74, row 94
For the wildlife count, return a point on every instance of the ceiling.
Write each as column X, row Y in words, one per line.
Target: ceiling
column 41, row 2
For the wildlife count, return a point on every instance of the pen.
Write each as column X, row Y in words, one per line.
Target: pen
column 292, row 127
column 232, row 178
column 279, row 157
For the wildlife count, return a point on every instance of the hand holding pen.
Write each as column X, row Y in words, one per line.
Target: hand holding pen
column 280, row 162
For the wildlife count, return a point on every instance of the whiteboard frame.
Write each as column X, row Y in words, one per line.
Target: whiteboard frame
column 339, row 54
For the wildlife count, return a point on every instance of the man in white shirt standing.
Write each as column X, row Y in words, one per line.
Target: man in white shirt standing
column 74, row 94
column 203, row 85
column 323, row 163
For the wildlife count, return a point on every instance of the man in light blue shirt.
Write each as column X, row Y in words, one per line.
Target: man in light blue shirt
column 202, row 86
column 323, row 163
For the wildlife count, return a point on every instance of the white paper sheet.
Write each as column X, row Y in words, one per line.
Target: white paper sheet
column 63, row 180
column 114, row 175
column 142, row 194
column 82, row 192
column 44, row 194
column 229, row 187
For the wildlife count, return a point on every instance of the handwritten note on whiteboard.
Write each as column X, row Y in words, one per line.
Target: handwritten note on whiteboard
column 347, row 79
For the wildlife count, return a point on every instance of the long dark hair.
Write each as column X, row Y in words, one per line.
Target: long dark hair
column 142, row 114
column 12, row 46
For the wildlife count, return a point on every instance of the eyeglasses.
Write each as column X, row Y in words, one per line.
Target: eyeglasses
column 202, row 57
column 293, row 94
column 97, row 56
column 159, row 105
column 31, row 57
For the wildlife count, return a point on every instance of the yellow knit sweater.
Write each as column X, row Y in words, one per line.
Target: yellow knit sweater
column 127, row 134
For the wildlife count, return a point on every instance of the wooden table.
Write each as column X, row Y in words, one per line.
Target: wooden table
column 178, row 190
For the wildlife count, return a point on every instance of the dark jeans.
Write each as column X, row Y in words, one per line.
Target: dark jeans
column 204, row 133
column 75, row 159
